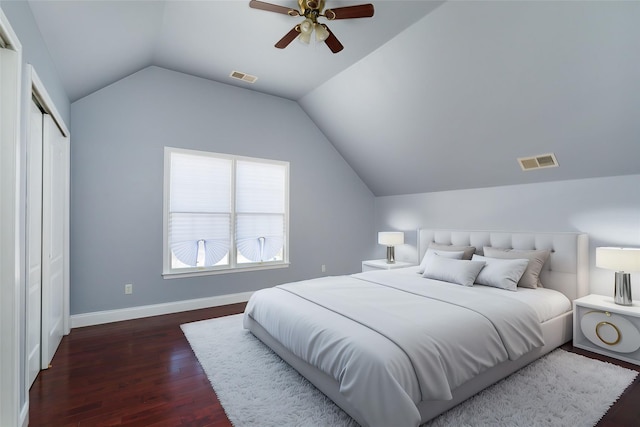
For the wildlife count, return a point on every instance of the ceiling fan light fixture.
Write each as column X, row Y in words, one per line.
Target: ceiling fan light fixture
column 306, row 28
column 305, row 38
column 321, row 32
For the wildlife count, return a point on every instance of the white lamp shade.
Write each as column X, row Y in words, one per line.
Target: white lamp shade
column 390, row 238
column 305, row 38
column 306, row 28
column 618, row 259
column 321, row 33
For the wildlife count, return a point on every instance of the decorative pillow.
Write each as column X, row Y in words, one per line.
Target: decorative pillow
column 501, row 273
column 530, row 278
column 433, row 252
column 460, row 272
column 468, row 250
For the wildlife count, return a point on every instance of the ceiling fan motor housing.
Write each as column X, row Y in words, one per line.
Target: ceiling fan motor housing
column 311, row 9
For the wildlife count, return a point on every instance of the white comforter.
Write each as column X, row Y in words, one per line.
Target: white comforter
column 392, row 341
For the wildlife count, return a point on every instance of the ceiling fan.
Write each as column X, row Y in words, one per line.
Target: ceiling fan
column 311, row 10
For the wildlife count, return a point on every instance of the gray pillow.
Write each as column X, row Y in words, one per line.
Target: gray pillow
column 468, row 250
column 531, row 276
column 460, row 272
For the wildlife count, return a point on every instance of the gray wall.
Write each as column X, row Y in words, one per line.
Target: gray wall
column 608, row 209
column 116, row 196
column 34, row 52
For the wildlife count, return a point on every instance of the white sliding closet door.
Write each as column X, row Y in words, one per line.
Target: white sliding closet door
column 54, row 210
column 34, row 243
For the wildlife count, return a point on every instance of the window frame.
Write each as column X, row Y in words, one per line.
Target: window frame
column 233, row 266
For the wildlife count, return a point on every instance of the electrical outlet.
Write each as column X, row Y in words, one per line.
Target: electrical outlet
column 323, row 268
column 128, row 288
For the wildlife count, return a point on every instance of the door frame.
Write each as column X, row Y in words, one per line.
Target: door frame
column 14, row 400
column 38, row 90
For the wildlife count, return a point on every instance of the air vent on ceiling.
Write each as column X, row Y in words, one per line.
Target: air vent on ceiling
column 244, row 77
column 538, row 162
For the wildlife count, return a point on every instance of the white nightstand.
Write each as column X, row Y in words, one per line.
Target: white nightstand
column 381, row 264
column 604, row 327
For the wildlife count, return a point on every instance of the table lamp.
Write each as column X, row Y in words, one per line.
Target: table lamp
column 390, row 239
column 622, row 260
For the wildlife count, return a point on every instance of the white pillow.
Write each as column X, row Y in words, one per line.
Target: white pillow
column 436, row 252
column 460, row 272
column 537, row 258
column 501, row 273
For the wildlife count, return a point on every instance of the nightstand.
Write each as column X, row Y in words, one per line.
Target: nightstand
column 381, row 264
column 604, row 327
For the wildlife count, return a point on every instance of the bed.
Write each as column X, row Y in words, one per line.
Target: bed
column 399, row 347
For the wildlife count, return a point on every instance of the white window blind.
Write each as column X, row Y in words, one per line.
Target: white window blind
column 200, row 210
column 223, row 212
column 260, row 211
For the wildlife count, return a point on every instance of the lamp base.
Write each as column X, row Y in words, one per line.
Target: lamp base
column 390, row 255
column 622, row 292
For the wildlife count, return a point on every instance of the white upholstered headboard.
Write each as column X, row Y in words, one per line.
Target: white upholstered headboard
column 566, row 270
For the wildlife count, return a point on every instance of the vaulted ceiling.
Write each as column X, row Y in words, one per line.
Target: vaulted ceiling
column 97, row 42
column 426, row 96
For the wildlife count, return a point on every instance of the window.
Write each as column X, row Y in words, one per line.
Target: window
column 223, row 213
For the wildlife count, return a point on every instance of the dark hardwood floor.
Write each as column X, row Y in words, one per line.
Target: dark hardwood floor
column 144, row 373
column 132, row 373
column 626, row 411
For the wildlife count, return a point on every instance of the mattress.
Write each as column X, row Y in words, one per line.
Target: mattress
column 547, row 303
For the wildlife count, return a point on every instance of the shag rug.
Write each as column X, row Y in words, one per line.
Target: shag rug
column 257, row 388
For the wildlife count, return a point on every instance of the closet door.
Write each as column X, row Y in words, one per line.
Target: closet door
column 54, row 196
column 34, row 243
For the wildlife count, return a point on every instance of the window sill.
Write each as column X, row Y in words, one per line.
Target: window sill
column 224, row 271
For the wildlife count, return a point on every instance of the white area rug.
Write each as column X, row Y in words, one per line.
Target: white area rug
column 256, row 388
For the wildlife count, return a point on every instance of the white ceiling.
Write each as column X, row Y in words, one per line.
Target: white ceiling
column 95, row 43
column 425, row 97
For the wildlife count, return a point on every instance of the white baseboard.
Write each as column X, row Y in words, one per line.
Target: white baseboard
column 108, row 316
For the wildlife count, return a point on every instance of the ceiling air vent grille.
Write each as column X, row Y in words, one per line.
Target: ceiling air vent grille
column 244, row 77
column 538, row 162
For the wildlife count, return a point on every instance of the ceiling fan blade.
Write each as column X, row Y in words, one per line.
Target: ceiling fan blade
column 332, row 42
column 348, row 12
column 255, row 4
column 288, row 38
